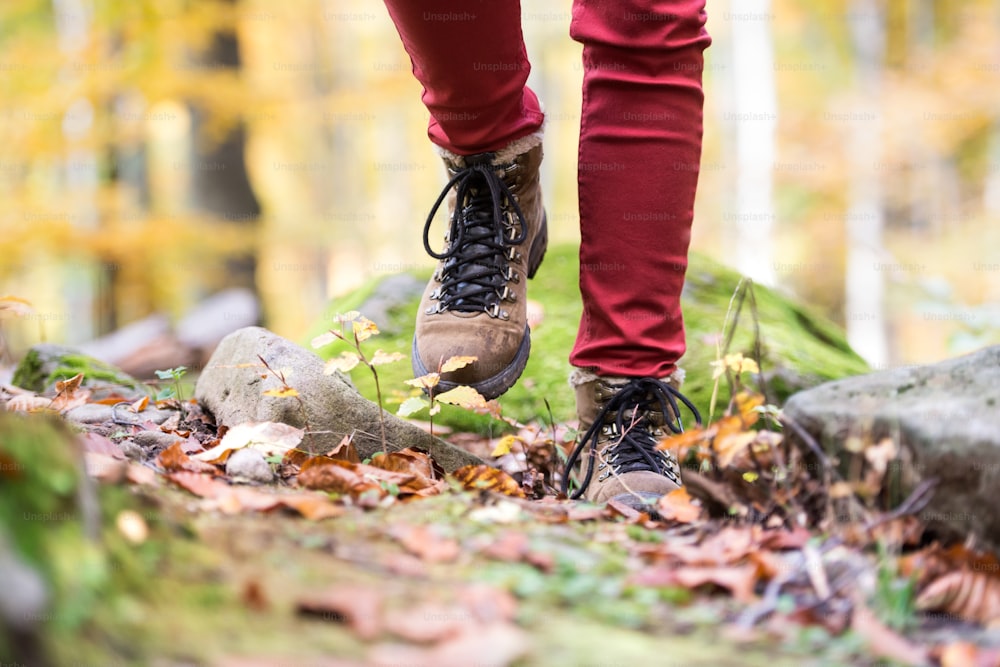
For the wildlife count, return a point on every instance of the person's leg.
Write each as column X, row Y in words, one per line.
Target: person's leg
column 640, row 148
column 469, row 55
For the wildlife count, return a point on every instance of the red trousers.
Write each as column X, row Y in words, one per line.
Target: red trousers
column 640, row 148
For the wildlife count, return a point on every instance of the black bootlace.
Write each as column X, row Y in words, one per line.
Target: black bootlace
column 481, row 236
column 636, row 447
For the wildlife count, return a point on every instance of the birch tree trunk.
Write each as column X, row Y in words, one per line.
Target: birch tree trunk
column 756, row 119
column 865, row 275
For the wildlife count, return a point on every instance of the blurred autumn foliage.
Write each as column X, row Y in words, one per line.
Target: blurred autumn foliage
column 126, row 124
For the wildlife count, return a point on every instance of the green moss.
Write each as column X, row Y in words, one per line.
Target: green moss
column 800, row 347
column 44, row 365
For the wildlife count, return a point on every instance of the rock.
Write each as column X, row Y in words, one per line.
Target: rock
column 217, row 316
column 45, row 364
column 800, row 348
column 132, row 450
column 121, row 343
column 153, row 442
column 249, row 464
column 231, row 387
column 946, row 417
column 90, row 413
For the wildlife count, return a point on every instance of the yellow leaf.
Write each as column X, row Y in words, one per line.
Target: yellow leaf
column 749, row 366
column 428, row 381
column 750, row 476
column 454, row 363
column 364, row 329
column 463, row 396
column 718, row 369
column 483, row 477
column 324, row 339
column 730, row 446
column 746, row 405
column 411, row 405
column 282, row 392
column 505, row 444
column 678, row 505
column 380, row 357
column 14, row 306
column 344, row 363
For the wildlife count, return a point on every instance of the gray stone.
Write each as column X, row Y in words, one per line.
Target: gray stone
column 153, row 442
column 231, row 387
column 46, row 363
column 392, row 294
column 249, row 464
column 132, row 450
column 946, row 417
column 89, row 413
column 121, row 343
column 218, row 315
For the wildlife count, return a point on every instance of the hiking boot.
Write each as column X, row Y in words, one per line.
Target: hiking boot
column 623, row 419
column 475, row 304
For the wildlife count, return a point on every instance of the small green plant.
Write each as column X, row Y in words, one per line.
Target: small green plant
column 174, row 391
column 361, row 329
column 895, row 596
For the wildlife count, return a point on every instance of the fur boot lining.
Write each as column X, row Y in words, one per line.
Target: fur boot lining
column 504, row 155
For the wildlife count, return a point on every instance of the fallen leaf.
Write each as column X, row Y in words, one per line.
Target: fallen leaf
column 728, row 447
column 173, row 459
column 345, row 450
column 678, row 506
column 312, row 506
column 485, row 478
column 739, row 580
column 271, row 438
column 69, row 385
column 972, row 596
column 324, row 474
column 254, row 597
column 28, row 403
column 425, row 543
column 497, row 644
column 104, row 468
column 140, row 405
column 356, row 606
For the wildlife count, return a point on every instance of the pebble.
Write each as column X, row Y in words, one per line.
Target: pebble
column 249, row 464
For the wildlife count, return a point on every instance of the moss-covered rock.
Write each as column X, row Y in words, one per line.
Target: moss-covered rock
column 800, row 348
column 45, row 364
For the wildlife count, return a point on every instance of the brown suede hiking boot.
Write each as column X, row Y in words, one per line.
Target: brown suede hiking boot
column 623, row 420
column 475, row 304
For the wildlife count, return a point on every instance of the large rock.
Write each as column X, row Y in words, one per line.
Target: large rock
column 232, row 386
column 946, row 416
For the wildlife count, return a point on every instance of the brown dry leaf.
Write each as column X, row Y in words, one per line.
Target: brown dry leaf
column 488, row 603
column 972, row 596
column 312, row 506
column 405, row 461
column 883, row 641
column 139, row 474
column 731, row 445
column 203, row 486
column 966, row 654
column 174, row 459
column 424, row 542
column 679, row 506
column 140, row 405
column 739, row 580
column 325, row 474
column 29, row 403
column 683, row 442
column 345, row 451
column 69, row 385
column 254, row 596
column 357, row 606
column 484, row 478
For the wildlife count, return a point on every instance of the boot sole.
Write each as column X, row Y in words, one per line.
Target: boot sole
column 496, row 385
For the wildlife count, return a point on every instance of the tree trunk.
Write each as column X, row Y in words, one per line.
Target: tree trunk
column 866, row 264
